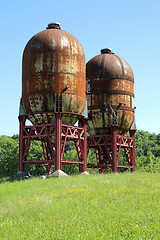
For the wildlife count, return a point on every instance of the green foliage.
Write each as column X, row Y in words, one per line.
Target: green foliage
column 70, row 154
column 148, row 163
column 9, row 154
column 143, row 143
column 91, row 159
column 9, row 151
column 35, row 153
column 91, row 156
column 147, row 150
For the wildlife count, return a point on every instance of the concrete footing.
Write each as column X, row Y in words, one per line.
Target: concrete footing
column 84, row 173
column 58, row 173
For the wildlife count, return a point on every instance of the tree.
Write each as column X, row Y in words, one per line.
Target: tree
column 9, row 151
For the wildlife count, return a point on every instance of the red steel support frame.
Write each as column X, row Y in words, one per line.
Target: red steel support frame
column 132, row 134
column 110, row 145
column 46, row 133
column 84, row 124
column 21, row 142
column 58, row 130
column 114, row 129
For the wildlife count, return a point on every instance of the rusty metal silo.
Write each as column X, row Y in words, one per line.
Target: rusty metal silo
column 110, row 93
column 53, row 75
column 53, row 99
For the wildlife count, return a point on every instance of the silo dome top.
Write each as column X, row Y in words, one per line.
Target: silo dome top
column 108, row 64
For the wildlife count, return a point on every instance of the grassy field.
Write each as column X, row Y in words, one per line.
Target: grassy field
column 122, row 206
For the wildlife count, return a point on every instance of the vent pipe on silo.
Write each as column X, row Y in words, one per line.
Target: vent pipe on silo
column 54, row 26
column 106, row 50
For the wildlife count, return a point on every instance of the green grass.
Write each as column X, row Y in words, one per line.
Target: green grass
column 122, row 206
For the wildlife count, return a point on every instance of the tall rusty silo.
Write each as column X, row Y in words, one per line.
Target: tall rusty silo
column 53, row 95
column 110, row 102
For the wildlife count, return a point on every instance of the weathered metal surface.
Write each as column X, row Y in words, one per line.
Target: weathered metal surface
column 110, row 82
column 53, row 74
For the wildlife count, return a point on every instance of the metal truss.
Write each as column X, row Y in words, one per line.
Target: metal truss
column 53, row 137
column 107, row 149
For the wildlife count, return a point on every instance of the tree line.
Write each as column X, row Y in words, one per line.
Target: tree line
column 147, row 152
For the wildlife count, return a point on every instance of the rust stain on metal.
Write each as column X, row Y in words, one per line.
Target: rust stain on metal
column 109, row 80
column 52, row 60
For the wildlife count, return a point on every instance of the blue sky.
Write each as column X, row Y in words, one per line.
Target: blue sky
column 130, row 28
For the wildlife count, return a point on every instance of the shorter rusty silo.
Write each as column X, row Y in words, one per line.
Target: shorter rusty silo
column 53, row 75
column 110, row 93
